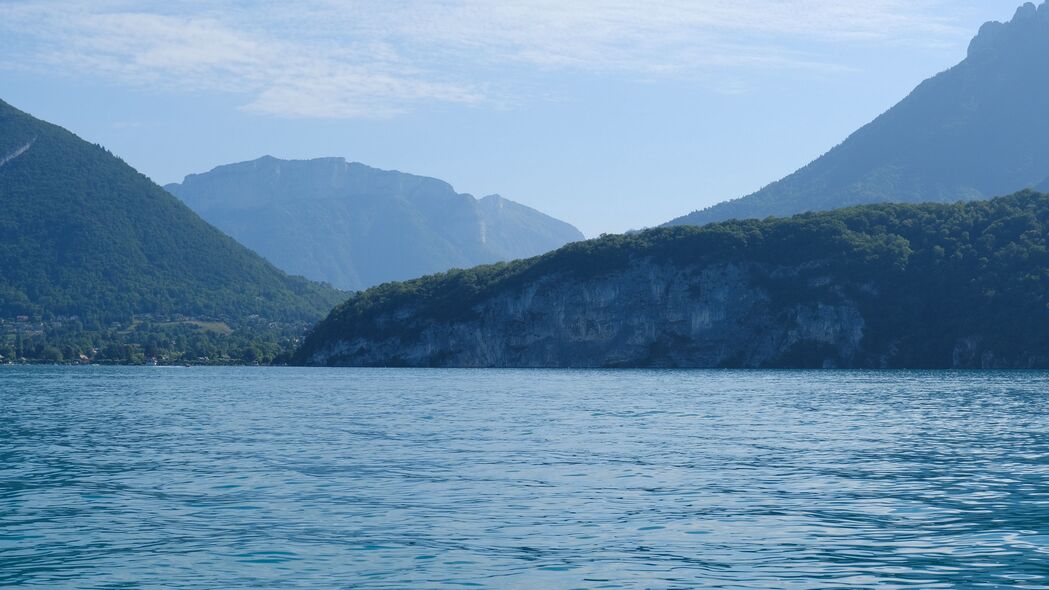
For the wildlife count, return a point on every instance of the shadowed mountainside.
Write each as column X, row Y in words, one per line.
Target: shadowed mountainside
column 978, row 130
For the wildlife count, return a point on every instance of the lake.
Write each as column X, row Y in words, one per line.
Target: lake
column 155, row 477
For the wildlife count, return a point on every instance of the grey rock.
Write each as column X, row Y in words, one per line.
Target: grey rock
column 649, row 315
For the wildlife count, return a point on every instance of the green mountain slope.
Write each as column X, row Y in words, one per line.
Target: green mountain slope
column 83, row 234
column 961, row 285
column 976, row 131
column 355, row 226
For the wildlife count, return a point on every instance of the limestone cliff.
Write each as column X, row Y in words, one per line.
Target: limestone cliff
column 875, row 286
column 647, row 315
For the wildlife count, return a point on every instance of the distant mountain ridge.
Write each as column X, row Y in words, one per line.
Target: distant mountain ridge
column 977, row 130
column 355, row 226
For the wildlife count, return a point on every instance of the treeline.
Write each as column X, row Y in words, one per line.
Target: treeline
column 145, row 342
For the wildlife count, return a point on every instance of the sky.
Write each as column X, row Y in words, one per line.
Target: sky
column 611, row 115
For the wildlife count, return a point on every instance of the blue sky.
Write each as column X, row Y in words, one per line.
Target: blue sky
column 609, row 114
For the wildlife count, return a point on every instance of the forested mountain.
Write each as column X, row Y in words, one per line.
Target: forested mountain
column 978, row 130
column 886, row 285
column 355, row 226
column 86, row 243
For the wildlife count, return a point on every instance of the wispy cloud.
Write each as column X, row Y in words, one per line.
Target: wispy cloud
column 206, row 51
column 375, row 58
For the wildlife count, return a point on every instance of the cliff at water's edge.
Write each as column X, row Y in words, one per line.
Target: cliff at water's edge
column 876, row 286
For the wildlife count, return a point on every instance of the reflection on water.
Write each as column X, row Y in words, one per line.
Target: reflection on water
column 283, row 478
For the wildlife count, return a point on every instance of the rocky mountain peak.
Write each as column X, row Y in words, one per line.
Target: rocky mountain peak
column 974, row 131
column 1029, row 26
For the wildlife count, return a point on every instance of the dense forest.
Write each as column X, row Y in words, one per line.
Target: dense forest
column 93, row 252
column 964, row 284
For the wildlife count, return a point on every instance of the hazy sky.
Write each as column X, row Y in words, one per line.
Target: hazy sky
column 610, row 114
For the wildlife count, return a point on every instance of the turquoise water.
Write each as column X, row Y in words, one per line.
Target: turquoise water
column 316, row 478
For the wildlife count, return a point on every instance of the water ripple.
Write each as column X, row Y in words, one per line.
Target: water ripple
column 287, row 478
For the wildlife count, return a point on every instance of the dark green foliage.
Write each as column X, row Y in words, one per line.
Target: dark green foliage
column 83, row 234
column 925, row 277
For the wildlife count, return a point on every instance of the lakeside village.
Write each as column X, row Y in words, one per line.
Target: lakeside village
column 146, row 340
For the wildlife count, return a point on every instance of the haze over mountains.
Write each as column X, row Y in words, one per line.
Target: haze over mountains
column 355, row 226
column 978, row 130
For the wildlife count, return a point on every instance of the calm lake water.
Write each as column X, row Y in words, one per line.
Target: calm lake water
column 317, row 478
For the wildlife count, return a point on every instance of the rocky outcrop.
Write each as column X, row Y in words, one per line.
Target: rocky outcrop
column 1027, row 30
column 648, row 315
column 879, row 286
